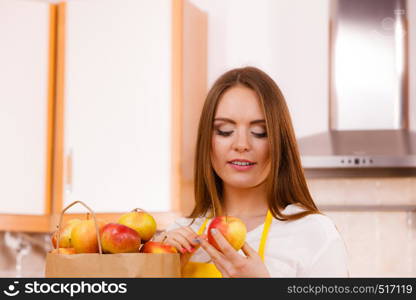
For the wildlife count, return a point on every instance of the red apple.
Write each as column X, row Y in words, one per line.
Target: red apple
column 233, row 229
column 65, row 238
column 157, row 247
column 117, row 238
column 142, row 222
column 63, row 251
column 84, row 236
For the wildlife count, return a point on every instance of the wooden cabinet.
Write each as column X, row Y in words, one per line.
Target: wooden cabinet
column 121, row 111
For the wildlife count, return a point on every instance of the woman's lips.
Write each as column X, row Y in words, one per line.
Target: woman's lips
column 240, row 167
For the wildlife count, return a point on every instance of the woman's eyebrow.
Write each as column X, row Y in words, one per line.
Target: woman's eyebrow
column 233, row 122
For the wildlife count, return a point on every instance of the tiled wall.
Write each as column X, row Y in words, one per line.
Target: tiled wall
column 32, row 263
column 380, row 243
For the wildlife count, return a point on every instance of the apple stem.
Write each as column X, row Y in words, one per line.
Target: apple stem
column 139, row 209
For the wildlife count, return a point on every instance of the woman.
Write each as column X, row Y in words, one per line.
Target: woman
column 247, row 165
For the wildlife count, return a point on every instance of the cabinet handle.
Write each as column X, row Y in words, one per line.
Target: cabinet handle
column 68, row 177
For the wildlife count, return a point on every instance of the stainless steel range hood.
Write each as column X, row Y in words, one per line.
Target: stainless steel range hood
column 368, row 97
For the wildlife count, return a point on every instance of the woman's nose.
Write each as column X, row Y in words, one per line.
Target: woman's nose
column 241, row 144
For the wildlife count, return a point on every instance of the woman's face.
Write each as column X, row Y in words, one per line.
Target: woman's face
column 240, row 147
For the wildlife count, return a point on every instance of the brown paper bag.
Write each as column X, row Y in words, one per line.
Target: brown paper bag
column 110, row 265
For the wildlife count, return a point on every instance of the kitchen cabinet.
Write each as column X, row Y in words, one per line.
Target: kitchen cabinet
column 126, row 80
column 117, row 104
column 126, row 90
column 26, row 111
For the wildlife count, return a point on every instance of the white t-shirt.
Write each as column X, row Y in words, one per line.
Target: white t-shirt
column 308, row 247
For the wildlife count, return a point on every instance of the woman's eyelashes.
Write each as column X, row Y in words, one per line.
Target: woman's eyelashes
column 260, row 135
column 224, row 133
column 228, row 133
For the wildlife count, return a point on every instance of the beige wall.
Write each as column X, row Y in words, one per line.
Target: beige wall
column 380, row 243
column 32, row 263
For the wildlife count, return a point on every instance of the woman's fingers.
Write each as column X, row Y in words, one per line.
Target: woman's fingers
column 248, row 251
column 225, row 246
column 214, row 253
column 190, row 232
column 223, row 271
column 186, row 246
column 190, row 235
column 216, row 256
column 182, row 238
column 171, row 241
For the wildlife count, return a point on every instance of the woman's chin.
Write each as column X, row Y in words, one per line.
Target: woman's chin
column 241, row 183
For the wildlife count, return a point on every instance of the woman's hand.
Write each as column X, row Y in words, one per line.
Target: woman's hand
column 184, row 239
column 230, row 263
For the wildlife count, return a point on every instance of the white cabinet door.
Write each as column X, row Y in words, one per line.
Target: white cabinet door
column 118, row 104
column 24, row 37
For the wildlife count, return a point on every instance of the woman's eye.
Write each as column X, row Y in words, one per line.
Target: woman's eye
column 260, row 135
column 228, row 133
column 224, row 133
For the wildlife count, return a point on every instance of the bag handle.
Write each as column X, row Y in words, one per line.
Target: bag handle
column 95, row 223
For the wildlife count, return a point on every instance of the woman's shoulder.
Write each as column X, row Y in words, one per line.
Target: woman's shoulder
column 319, row 225
column 307, row 241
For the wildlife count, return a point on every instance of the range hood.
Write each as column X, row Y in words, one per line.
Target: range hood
column 368, row 90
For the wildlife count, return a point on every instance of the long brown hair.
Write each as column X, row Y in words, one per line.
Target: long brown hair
column 286, row 182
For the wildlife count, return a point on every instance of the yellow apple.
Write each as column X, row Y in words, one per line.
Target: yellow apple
column 157, row 247
column 84, row 236
column 233, row 229
column 63, row 251
column 65, row 238
column 142, row 222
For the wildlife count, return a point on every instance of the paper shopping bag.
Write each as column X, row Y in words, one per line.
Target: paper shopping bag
column 110, row 265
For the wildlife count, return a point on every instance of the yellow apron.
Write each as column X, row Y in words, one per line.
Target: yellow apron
column 209, row 270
